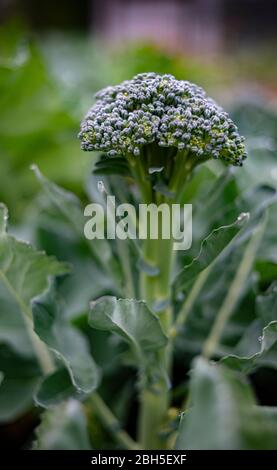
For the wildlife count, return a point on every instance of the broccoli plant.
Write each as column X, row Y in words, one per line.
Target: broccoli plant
column 164, row 128
column 139, row 305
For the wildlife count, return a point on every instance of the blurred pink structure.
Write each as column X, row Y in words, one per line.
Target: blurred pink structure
column 190, row 25
column 201, row 27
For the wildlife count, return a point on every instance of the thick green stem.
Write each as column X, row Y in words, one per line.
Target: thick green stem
column 153, row 409
column 156, row 291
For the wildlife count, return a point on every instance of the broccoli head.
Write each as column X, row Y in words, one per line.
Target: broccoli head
column 158, row 109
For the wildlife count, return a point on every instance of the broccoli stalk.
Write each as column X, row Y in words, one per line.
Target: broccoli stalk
column 164, row 128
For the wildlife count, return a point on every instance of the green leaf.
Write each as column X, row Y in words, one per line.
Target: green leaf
column 65, row 341
column 24, row 274
column 135, row 323
column 16, row 397
column 258, row 124
column 63, row 428
column 66, row 201
column 211, row 248
column 55, row 389
column 267, row 271
column 70, row 207
column 224, row 414
column 268, row 250
column 112, row 166
column 226, row 286
column 199, row 309
column 210, row 206
column 266, row 305
column 258, row 345
column 235, row 291
column 87, row 280
column 131, row 319
column 266, row 356
column 223, row 204
column 20, row 379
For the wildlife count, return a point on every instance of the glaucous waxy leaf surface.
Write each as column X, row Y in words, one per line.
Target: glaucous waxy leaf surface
column 222, row 205
column 131, row 319
column 56, row 388
column 65, row 341
column 71, row 209
column 223, row 413
column 16, row 397
column 24, row 274
column 20, row 378
column 266, row 354
column 211, row 248
column 63, row 427
column 266, row 305
column 231, row 272
column 258, row 345
column 136, row 324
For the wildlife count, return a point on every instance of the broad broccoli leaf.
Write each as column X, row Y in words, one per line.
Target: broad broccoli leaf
column 21, row 376
column 258, row 345
column 266, row 305
column 24, row 274
column 232, row 270
column 223, row 413
column 70, row 207
column 211, row 248
column 16, row 397
column 63, row 428
column 135, row 324
column 67, row 343
column 266, row 356
column 56, row 388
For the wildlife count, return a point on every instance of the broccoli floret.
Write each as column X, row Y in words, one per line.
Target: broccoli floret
column 159, row 109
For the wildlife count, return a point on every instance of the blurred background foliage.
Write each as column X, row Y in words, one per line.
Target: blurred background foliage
column 47, row 82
